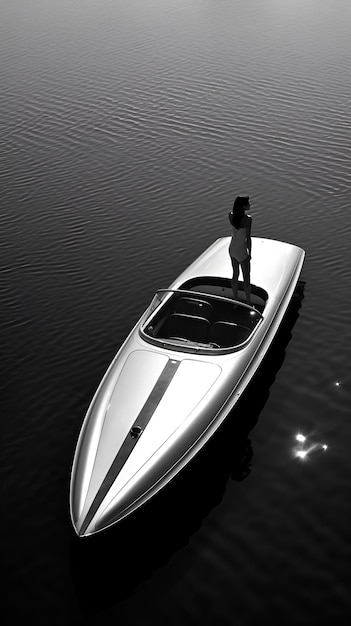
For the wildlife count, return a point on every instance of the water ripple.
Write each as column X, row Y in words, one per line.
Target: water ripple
column 128, row 129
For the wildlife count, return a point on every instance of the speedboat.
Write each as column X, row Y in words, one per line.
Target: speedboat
column 175, row 379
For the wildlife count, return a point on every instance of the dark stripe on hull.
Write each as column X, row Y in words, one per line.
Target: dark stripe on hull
column 129, row 443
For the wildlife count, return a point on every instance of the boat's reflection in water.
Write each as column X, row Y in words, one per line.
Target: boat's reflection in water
column 107, row 568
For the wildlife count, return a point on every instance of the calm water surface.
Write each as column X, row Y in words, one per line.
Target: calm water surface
column 127, row 130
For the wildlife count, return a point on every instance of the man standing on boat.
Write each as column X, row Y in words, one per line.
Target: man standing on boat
column 240, row 245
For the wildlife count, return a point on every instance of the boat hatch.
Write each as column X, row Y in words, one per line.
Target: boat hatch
column 135, row 432
column 195, row 321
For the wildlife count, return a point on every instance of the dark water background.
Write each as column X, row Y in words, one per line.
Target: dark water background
column 127, row 129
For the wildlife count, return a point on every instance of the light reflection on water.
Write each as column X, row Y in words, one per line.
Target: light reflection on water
column 306, row 446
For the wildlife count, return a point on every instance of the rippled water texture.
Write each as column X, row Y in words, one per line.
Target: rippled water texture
column 127, row 129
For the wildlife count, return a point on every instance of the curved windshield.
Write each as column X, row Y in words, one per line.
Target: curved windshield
column 195, row 321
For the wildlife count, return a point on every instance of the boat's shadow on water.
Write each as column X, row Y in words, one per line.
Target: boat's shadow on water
column 109, row 566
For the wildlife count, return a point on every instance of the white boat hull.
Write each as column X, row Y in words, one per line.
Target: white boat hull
column 158, row 404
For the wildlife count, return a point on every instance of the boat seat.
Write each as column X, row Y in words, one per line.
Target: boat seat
column 194, row 306
column 227, row 334
column 192, row 327
column 239, row 315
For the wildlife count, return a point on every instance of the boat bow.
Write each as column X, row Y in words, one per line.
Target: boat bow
column 150, row 390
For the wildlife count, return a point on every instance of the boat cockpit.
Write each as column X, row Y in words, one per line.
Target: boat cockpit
column 201, row 316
